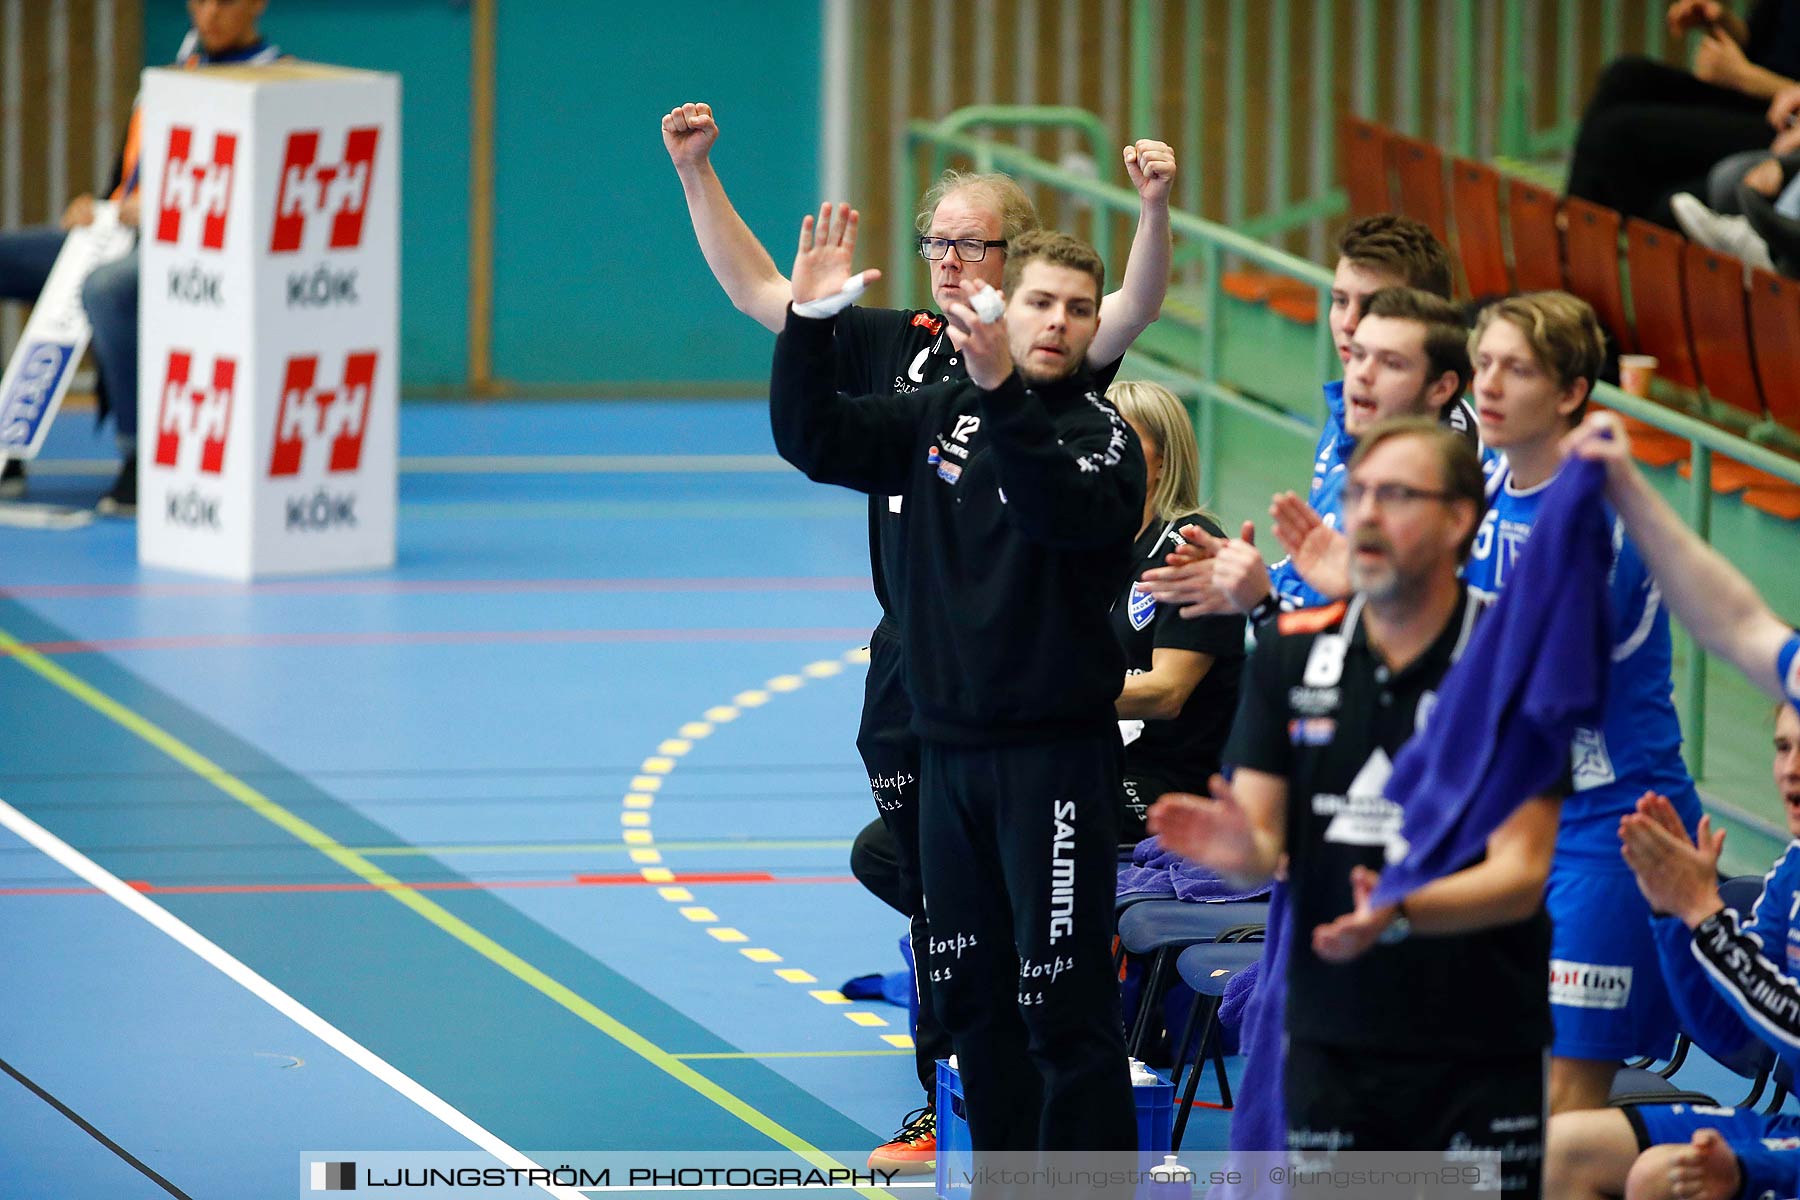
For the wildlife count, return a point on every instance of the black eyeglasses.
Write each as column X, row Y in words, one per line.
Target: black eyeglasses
column 1388, row 495
column 933, row 249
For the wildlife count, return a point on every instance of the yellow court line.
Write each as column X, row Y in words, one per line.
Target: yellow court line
column 446, row 921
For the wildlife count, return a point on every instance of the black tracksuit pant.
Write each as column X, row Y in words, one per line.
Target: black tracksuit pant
column 1019, row 853
column 890, row 867
column 1652, row 130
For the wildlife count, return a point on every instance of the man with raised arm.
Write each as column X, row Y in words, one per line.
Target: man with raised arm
column 1710, row 596
column 967, row 223
column 1022, row 491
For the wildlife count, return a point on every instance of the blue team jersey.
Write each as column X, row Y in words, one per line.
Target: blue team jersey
column 1638, row 745
column 1331, row 468
column 1331, row 462
column 1710, row 1015
column 1787, row 669
column 1737, row 1007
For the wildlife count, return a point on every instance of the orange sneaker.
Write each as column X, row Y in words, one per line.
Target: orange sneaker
column 913, row 1151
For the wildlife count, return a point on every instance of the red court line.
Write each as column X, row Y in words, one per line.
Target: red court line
column 427, row 587
column 475, row 637
column 440, row 885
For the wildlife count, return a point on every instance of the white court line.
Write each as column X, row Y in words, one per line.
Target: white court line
column 277, row 999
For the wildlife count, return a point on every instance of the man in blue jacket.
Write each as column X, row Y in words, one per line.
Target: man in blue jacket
column 1376, row 255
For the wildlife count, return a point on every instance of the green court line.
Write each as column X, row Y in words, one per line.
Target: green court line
column 590, row 847
column 358, row 865
column 742, row 1054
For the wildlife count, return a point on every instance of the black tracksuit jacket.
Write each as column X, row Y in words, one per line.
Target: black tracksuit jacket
column 1021, row 505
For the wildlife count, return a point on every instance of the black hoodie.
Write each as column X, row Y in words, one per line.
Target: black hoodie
column 1021, row 505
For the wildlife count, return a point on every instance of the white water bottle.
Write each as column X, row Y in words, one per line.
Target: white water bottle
column 1170, row 1180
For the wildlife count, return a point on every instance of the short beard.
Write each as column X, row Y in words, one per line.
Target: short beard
column 1031, row 378
column 1380, row 583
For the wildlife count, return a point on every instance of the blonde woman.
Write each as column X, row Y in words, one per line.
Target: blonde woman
column 1181, row 685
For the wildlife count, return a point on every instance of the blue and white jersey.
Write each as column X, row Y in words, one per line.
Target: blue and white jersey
column 1787, row 669
column 1331, row 463
column 1733, row 977
column 1638, row 745
column 1331, row 469
column 1331, row 458
column 1716, row 1016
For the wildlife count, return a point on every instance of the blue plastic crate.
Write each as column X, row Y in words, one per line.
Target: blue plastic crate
column 1155, row 1122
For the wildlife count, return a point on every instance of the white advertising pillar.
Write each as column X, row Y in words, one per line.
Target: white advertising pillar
column 268, row 363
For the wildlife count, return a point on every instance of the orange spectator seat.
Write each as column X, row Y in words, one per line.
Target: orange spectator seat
column 1302, row 308
column 1721, row 328
column 1419, row 166
column 1536, row 241
column 1715, row 309
column 1253, row 285
column 1593, row 265
column 1653, row 256
column 1775, row 324
column 1363, row 166
column 1775, row 344
column 1475, row 205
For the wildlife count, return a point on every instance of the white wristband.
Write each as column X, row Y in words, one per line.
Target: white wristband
column 832, row 305
column 987, row 305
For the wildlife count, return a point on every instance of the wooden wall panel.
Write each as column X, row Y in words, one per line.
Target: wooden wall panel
column 946, row 41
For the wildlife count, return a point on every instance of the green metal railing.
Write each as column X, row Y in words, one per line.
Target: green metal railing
column 1209, row 244
column 1536, row 57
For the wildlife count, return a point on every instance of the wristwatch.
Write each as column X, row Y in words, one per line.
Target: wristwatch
column 1398, row 929
column 1266, row 610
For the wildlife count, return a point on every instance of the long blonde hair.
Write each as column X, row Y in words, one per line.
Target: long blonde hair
column 1160, row 413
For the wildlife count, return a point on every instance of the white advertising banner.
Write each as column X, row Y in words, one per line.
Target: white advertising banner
column 269, row 358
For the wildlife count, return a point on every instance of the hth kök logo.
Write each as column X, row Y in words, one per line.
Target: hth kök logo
column 322, row 417
column 337, row 192
column 194, row 186
column 195, row 411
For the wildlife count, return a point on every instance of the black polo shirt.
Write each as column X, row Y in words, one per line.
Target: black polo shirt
column 1182, row 752
column 893, row 351
column 1321, row 710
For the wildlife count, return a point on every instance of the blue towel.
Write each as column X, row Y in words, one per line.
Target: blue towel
column 1536, row 668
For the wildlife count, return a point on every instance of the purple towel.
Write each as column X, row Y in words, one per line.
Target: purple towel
column 1234, row 1005
column 1159, row 871
column 1259, row 1121
column 1536, row 668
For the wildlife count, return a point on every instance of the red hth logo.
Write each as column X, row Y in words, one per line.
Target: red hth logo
column 338, row 191
column 191, row 411
column 190, row 185
column 314, row 415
